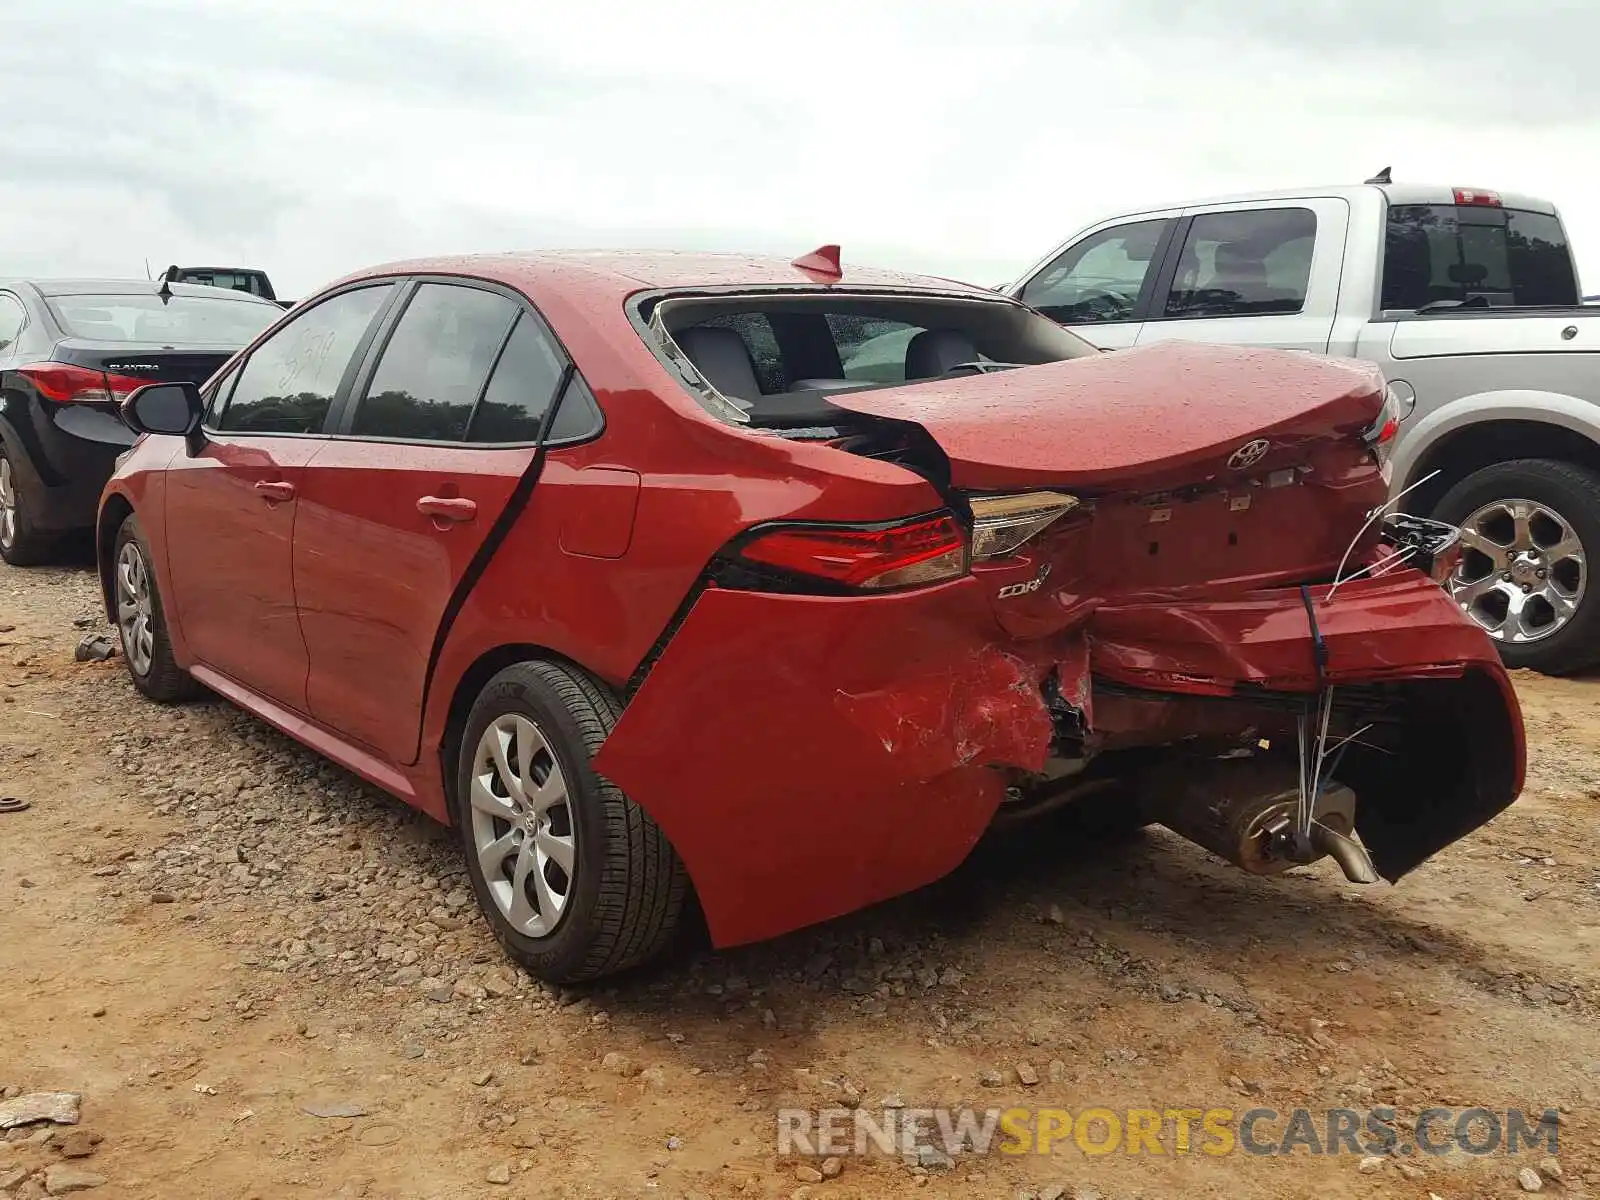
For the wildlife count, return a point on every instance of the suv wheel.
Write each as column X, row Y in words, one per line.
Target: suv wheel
column 576, row 881
column 141, row 620
column 20, row 545
column 1529, row 531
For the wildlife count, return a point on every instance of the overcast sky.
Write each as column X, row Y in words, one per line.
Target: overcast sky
column 960, row 138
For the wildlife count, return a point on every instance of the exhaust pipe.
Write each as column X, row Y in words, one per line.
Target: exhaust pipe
column 1242, row 810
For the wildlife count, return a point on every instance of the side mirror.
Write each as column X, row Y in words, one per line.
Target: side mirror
column 172, row 409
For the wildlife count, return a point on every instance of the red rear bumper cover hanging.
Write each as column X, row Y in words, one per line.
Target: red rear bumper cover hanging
column 808, row 756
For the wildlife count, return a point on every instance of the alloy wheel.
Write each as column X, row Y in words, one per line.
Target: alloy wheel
column 1523, row 570
column 523, row 826
column 135, row 611
column 8, row 504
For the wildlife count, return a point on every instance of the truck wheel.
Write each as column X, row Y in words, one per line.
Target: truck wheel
column 1529, row 529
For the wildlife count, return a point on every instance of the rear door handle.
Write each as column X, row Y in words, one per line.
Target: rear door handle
column 274, row 489
column 447, row 508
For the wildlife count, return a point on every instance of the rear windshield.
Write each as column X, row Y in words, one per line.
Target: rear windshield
column 1478, row 255
column 190, row 320
column 776, row 357
column 238, row 281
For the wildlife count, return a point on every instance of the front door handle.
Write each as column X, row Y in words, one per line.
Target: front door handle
column 274, row 489
column 447, row 508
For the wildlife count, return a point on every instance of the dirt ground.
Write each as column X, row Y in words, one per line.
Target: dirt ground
column 206, row 931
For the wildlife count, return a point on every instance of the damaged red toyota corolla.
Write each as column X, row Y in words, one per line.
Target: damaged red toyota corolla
column 654, row 573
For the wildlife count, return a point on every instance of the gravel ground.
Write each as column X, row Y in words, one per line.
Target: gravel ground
column 208, row 931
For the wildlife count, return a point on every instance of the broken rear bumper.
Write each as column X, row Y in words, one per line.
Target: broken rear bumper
column 808, row 756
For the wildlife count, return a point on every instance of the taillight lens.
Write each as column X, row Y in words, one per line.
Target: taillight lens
column 67, row 383
column 1002, row 524
column 1381, row 433
column 923, row 551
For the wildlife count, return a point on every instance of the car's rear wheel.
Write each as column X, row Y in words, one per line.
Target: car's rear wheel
column 20, row 544
column 1529, row 530
column 141, row 620
column 576, row 881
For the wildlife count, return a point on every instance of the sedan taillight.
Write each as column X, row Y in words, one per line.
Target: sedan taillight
column 1002, row 524
column 856, row 557
column 68, row 383
column 1382, row 431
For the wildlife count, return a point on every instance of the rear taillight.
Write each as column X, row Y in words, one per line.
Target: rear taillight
column 67, row 383
column 1477, row 197
column 1001, row 524
column 874, row 558
column 1381, row 433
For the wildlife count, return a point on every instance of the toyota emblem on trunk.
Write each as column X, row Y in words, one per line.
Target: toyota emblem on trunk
column 1249, row 454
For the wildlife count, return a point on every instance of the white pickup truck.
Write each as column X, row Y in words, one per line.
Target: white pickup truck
column 1469, row 302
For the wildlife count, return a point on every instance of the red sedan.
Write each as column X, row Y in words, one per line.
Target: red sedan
column 781, row 583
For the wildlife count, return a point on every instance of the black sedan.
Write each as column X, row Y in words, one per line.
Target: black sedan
column 70, row 350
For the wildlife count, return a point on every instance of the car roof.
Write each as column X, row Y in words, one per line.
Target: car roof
column 130, row 287
column 621, row 272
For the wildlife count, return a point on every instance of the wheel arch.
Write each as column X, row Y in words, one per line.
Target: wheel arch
column 21, row 444
column 114, row 510
column 1478, row 431
column 465, row 691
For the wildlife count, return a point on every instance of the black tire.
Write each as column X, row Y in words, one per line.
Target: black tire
column 26, row 547
column 628, row 890
column 1573, row 492
column 163, row 680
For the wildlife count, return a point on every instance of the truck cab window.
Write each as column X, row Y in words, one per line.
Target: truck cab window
column 1255, row 262
column 1099, row 278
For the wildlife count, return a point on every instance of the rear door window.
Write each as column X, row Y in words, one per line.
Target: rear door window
column 1251, row 262
column 1099, row 278
column 520, row 390
column 289, row 382
column 1475, row 254
column 436, row 365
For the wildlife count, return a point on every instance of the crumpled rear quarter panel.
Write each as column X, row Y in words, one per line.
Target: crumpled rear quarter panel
column 808, row 756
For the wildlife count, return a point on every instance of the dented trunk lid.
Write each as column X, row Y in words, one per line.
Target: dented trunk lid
column 1167, row 415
